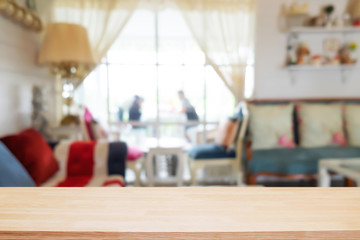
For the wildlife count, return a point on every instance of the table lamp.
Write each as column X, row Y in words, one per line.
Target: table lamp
column 66, row 50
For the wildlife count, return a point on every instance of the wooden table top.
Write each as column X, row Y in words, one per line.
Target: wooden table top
column 179, row 213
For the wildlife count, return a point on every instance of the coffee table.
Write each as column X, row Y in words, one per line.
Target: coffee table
column 160, row 151
column 349, row 168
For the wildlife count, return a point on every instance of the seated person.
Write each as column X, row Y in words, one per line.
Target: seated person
column 135, row 110
column 187, row 108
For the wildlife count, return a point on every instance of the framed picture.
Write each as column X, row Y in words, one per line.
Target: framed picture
column 331, row 47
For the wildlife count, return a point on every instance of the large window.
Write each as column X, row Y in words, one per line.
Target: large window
column 154, row 57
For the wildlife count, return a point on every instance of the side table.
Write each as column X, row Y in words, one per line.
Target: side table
column 154, row 152
column 349, row 168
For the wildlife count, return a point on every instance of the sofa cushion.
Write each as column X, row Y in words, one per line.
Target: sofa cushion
column 321, row 125
column 271, row 126
column 296, row 160
column 210, row 151
column 12, row 173
column 34, row 153
column 352, row 123
column 227, row 132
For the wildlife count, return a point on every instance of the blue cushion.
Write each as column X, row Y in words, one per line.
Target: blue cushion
column 296, row 160
column 210, row 151
column 12, row 173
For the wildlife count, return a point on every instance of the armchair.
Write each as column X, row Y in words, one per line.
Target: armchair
column 215, row 155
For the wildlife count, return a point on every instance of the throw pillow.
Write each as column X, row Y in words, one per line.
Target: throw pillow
column 33, row 152
column 352, row 124
column 98, row 131
column 271, row 126
column 226, row 132
column 12, row 173
column 134, row 154
column 321, row 125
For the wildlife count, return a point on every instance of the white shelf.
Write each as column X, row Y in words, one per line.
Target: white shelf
column 321, row 68
column 325, row 30
column 303, row 68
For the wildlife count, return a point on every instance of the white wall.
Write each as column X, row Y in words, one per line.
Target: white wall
column 18, row 73
column 273, row 81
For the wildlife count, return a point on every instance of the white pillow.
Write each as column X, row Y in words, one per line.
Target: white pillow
column 352, row 124
column 320, row 125
column 271, row 126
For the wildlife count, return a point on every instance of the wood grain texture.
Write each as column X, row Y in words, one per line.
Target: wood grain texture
column 179, row 213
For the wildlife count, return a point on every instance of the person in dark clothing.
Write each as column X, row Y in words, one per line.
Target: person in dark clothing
column 189, row 111
column 187, row 108
column 135, row 109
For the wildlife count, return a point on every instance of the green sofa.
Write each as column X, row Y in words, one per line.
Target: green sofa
column 293, row 163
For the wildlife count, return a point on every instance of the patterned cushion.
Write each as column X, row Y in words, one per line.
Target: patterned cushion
column 352, row 123
column 271, row 126
column 320, row 125
column 90, row 164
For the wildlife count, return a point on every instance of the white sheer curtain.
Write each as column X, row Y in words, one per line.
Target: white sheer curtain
column 103, row 19
column 225, row 31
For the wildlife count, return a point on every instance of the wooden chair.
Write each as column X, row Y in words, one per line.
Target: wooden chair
column 216, row 156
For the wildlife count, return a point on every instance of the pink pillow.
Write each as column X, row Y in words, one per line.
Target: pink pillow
column 285, row 141
column 339, row 139
column 88, row 117
column 134, row 154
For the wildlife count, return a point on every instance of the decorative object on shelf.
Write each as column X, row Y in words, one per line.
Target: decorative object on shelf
column 356, row 22
column 328, row 10
column 317, row 21
column 346, row 17
column 66, row 50
column 298, row 9
column 335, row 61
column 38, row 119
column 291, row 55
column 303, row 54
column 297, row 15
column 347, row 54
column 331, row 48
column 21, row 15
column 342, row 58
column 316, row 60
column 353, row 52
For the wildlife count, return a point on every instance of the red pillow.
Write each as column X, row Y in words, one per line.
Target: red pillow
column 31, row 149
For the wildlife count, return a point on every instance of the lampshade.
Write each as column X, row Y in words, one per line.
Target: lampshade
column 65, row 43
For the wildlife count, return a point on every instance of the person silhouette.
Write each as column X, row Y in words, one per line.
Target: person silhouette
column 135, row 109
column 187, row 108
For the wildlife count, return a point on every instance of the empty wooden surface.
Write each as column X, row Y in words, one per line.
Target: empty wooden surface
column 179, row 213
